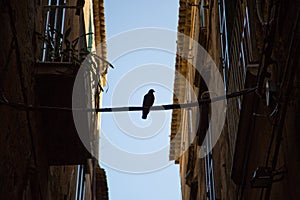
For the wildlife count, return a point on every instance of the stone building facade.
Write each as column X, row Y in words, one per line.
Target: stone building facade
column 43, row 43
column 254, row 44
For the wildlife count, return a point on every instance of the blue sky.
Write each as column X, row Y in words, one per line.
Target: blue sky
column 141, row 137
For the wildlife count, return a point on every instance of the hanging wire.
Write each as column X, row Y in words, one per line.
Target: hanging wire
column 26, row 107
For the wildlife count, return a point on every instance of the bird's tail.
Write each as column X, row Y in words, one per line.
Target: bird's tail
column 145, row 113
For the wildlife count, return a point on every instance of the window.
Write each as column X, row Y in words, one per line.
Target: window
column 209, row 169
column 202, row 15
column 194, row 190
column 243, row 59
column 248, row 36
column 80, row 185
column 224, row 40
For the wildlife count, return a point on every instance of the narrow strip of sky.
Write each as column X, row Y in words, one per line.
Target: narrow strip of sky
column 126, row 15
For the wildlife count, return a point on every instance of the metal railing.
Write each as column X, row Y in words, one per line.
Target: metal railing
column 61, row 42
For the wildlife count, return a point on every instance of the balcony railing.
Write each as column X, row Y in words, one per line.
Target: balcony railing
column 64, row 39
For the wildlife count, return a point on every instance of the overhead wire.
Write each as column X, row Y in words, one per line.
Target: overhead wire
column 27, row 107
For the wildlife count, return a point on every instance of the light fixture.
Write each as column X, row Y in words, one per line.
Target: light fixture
column 262, row 177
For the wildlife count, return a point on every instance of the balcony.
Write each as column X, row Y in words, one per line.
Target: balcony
column 65, row 46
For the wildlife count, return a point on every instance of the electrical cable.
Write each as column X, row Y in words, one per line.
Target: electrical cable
column 26, row 107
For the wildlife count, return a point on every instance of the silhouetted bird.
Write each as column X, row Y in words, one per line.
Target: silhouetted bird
column 147, row 103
